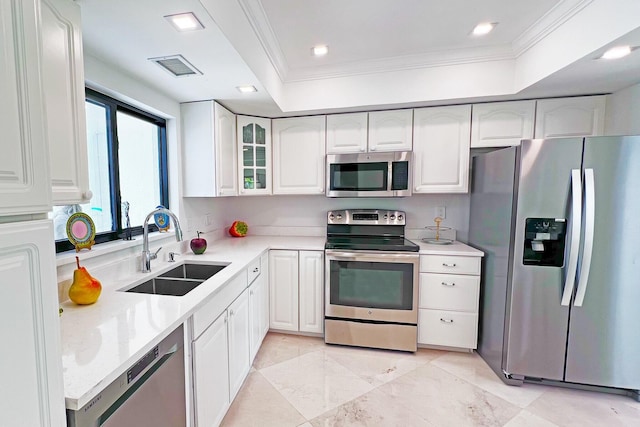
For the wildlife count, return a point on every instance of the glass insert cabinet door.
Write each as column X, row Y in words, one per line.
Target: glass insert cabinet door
column 254, row 145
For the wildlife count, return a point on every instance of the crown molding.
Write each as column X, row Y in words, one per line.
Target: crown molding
column 549, row 22
column 440, row 58
column 258, row 20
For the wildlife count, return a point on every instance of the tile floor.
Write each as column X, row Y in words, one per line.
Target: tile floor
column 300, row 381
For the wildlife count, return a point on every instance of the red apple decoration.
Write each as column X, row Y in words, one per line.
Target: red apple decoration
column 198, row 245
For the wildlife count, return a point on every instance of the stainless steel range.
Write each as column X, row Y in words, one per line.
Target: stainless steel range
column 371, row 276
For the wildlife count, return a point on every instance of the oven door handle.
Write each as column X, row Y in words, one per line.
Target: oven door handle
column 378, row 256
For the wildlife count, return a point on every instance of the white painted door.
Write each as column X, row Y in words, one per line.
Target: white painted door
column 347, row 133
column 211, row 373
column 441, row 149
column 254, row 155
column 390, row 130
column 238, row 342
column 226, row 151
column 25, row 185
column 255, row 317
column 566, row 117
column 264, row 279
column 311, row 288
column 298, row 155
column 31, row 370
column 63, row 82
column 283, row 290
column 502, row 124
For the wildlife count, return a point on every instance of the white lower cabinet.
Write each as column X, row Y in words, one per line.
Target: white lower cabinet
column 296, row 286
column 238, row 327
column 258, row 308
column 211, row 373
column 448, row 302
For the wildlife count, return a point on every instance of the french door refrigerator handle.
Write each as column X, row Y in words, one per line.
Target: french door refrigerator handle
column 576, row 223
column 589, row 228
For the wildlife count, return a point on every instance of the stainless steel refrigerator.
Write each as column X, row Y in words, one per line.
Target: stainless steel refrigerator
column 559, row 222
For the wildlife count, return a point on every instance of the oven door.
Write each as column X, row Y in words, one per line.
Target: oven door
column 374, row 286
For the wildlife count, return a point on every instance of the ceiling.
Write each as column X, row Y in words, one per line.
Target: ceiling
column 382, row 53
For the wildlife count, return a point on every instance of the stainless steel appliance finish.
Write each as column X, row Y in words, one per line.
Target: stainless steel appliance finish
column 372, row 273
column 151, row 393
column 559, row 223
column 369, row 174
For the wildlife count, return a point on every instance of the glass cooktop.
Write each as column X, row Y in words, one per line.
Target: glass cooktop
column 371, row 243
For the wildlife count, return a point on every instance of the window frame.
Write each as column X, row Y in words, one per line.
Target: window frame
column 113, row 106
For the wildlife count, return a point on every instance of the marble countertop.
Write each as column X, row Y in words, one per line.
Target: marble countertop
column 101, row 341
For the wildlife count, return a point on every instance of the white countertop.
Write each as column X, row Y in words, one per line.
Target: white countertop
column 101, row 341
column 455, row 248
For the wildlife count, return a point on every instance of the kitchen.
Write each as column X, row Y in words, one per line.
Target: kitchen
column 295, row 215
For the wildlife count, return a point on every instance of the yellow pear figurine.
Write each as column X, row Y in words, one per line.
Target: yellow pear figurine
column 85, row 288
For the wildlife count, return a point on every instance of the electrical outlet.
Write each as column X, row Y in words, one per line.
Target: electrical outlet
column 208, row 219
column 441, row 211
column 190, row 224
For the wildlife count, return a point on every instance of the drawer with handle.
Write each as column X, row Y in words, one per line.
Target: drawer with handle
column 449, row 292
column 450, row 264
column 253, row 271
column 447, row 328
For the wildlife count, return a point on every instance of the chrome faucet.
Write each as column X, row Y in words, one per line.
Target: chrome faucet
column 147, row 256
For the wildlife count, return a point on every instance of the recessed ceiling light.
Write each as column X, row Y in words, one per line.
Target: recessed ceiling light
column 617, row 52
column 185, row 22
column 247, row 89
column 483, row 28
column 320, row 50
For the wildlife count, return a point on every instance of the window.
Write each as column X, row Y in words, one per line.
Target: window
column 127, row 152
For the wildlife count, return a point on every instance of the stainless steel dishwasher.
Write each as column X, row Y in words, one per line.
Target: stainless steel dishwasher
column 149, row 393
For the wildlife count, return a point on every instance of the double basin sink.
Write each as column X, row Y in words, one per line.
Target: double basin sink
column 178, row 281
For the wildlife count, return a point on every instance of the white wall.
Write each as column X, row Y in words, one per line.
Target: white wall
column 623, row 112
column 306, row 215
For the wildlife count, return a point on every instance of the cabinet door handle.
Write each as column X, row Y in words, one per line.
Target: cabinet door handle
column 446, row 320
column 444, row 264
column 448, row 284
column 255, row 270
column 231, row 313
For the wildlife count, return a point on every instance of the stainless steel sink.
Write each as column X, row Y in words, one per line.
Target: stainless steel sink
column 166, row 286
column 193, row 271
column 178, row 281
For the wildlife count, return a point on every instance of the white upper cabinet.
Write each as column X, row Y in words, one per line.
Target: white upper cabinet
column 347, row 133
column 501, row 124
column 390, row 130
column 441, row 149
column 209, row 150
column 63, row 83
column 254, row 155
column 298, row 155
column 566, row 117
column 25, row 186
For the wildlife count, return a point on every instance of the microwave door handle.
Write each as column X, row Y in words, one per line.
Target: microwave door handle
column 575, row 217
column 390, row 176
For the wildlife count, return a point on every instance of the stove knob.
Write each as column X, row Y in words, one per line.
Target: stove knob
column 331, row 216
column 392, row 217
column 339, row 216
column 385, row 216
column 400, row 217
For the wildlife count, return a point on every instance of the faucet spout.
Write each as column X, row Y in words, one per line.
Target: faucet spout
column 147, row 256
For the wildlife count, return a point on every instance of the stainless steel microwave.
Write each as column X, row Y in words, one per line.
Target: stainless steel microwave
column 369, row 174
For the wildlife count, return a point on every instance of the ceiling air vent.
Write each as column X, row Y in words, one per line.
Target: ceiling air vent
column 176, row 65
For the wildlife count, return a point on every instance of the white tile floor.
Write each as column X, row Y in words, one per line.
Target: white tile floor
column 300, row 381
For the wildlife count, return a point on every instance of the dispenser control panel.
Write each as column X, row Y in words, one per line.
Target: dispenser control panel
column 544, row 241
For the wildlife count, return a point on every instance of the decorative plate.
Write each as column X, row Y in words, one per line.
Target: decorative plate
column 81, row 231
column 161, row 220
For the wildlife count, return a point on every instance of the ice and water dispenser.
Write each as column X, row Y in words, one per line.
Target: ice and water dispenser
column 544, row 241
